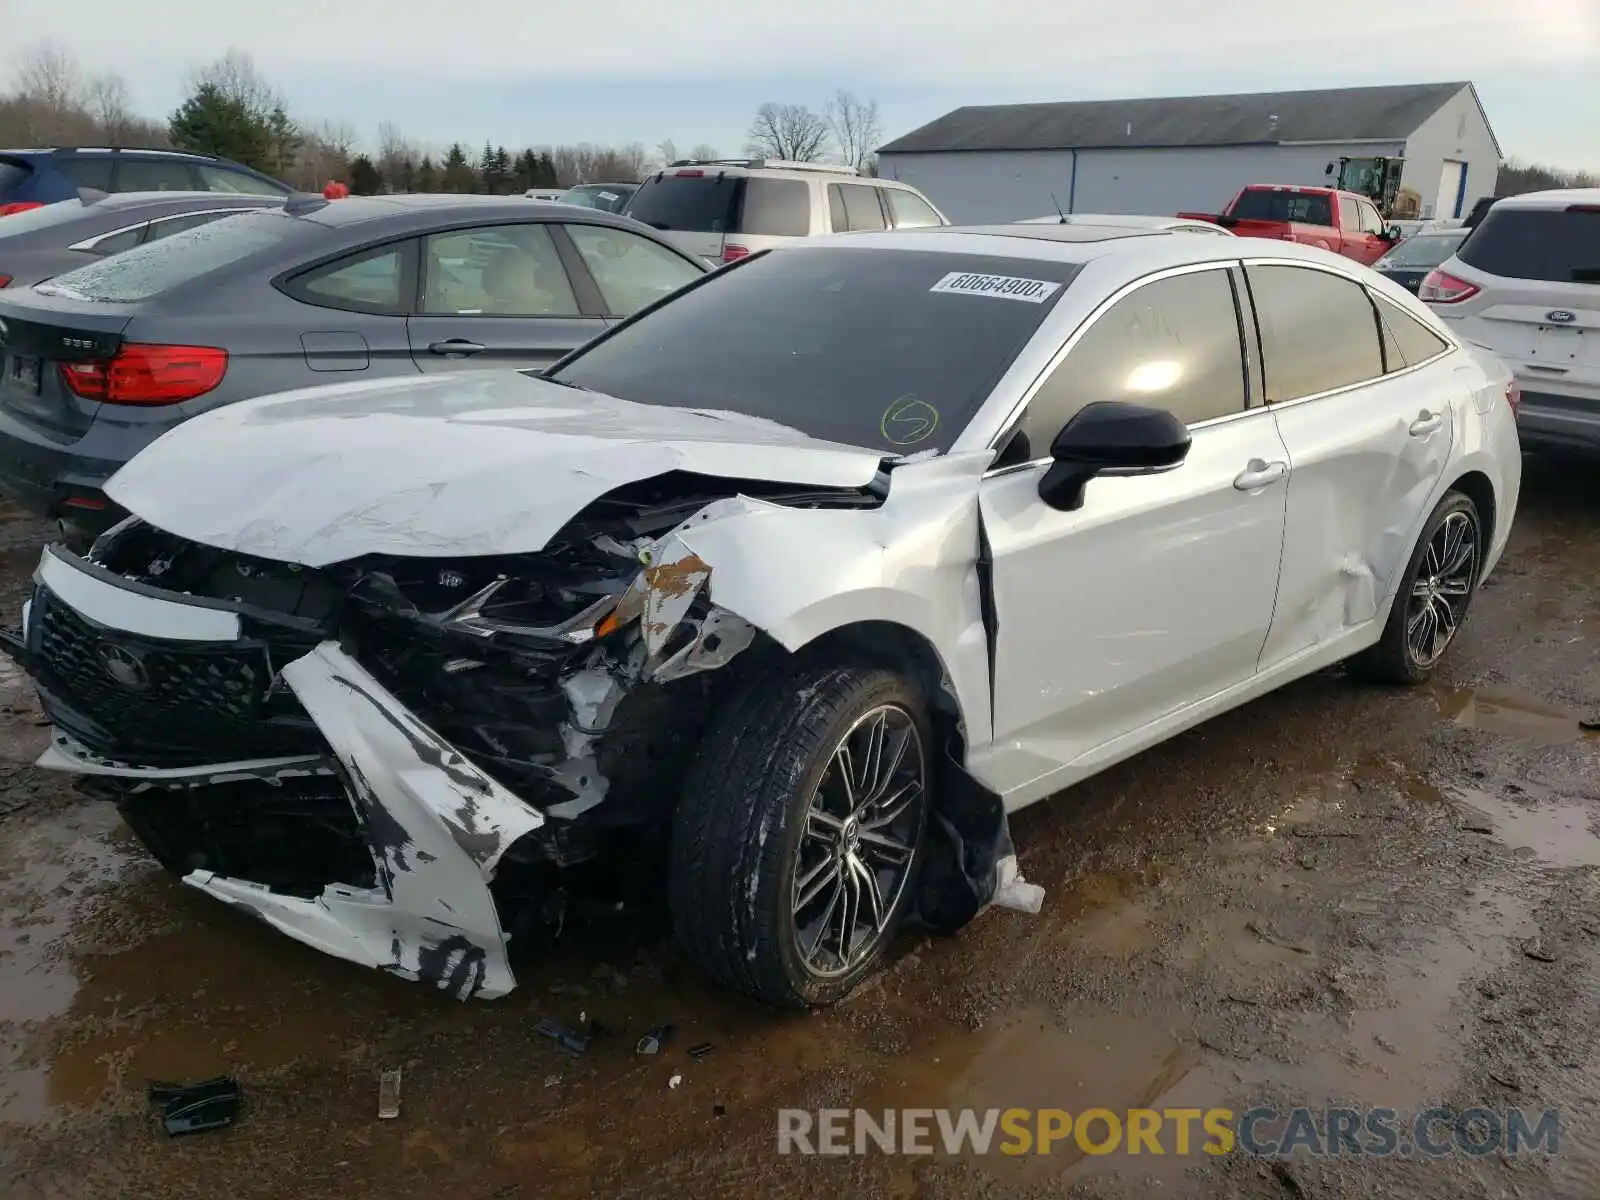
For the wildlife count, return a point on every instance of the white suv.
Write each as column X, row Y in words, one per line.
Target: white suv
column 1526, row 284
column 724, row 209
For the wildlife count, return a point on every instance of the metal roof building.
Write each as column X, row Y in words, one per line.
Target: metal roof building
column 1006, row 162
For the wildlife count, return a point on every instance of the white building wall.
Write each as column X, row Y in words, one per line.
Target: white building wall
column 982, row 186
column 1459, row 133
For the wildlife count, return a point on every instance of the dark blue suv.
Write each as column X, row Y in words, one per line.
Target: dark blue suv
column 29, row 178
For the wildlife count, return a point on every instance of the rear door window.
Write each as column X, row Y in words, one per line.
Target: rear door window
column 854, row 207
column 171, row 225
column 909, row 210
column 698, row 203
column 776, row 208
column 1406, row 340
column 1318, row 331
column 116, row 243
column 1349, row 218
column 1549, row 244
column 157, row 267
column 88, row 172
column 154, row 175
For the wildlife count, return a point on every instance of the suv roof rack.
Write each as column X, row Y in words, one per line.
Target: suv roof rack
column 121, row 149
column 774, row 164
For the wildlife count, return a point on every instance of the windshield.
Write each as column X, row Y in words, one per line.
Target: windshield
column 34, row 219
column 1257, row 204
column 894, row 350
column 156, row 267
column 1550, row 244
column 1425, row 249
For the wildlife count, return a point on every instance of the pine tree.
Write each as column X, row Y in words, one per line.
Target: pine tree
column 525, row 171
column 406, row 176
column 427, row 175
column 547, row 172
column 458, row 173
column 364, row 177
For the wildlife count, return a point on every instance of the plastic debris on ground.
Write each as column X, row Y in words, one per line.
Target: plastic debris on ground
column 570, row 1040
column 700, row 1051
column 389, row 1095
column 1013, row 891
column 675, row 1081
column 196, row 1107
column 652, row 1042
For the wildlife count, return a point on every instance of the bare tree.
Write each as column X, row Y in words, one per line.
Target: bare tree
column 107, row 97
column 50, row 78
column 788, row 131
column 666, row 152
column 856, row 128
column 236, row 77
column 704, row 152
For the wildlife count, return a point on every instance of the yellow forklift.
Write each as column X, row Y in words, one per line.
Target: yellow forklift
column 1378, row 179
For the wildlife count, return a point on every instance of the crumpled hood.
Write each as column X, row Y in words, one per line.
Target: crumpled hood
column 469, row 463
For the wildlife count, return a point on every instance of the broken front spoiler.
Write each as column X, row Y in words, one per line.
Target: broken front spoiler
column 436, row 825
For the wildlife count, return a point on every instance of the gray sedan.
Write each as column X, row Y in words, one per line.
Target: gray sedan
column 97, row 363
column 54, row 238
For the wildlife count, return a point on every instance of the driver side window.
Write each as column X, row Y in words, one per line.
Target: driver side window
column 1172, row 344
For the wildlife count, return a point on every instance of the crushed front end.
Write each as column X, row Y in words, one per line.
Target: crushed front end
column 391, row 758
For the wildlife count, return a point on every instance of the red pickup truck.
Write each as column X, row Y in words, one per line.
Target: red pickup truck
column 1343, row 222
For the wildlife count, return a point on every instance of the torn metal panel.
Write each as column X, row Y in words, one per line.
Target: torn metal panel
column 437, row 826
column 796, row 574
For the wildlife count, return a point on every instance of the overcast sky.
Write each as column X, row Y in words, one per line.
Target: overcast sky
column 547, row 71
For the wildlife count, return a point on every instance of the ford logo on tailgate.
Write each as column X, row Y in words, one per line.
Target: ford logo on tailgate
column 1560, row 316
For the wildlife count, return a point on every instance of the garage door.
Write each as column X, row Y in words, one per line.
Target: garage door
column 1452, row 190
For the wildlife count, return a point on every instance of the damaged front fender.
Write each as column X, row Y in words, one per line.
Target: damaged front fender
column 437, row 826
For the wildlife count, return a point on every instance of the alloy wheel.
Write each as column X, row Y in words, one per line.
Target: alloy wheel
column 863, row 826
column 1442, row 588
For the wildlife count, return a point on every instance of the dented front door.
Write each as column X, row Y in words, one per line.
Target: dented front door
column 1156, row 593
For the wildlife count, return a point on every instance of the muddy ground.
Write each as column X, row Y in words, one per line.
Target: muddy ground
column 1334, row 895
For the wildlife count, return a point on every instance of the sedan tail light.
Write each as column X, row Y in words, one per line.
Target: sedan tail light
column 147, row 374
column 5, row 281
column 1440, row 287
column 7, row 209
column 733, row 253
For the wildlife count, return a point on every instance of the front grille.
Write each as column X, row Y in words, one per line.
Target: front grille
column 161, row 703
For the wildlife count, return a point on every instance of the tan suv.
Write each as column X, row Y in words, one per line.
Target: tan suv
column 723, row 209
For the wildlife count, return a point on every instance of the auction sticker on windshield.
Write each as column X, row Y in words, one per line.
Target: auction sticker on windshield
column 1006, row 287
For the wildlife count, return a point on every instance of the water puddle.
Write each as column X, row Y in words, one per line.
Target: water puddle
column 1559, row 834
column 1034, row 1059
column 1509, row 716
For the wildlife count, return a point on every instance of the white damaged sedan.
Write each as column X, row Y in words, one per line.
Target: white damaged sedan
column 810, row 573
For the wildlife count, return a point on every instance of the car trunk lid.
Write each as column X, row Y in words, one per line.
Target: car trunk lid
column 36, row 337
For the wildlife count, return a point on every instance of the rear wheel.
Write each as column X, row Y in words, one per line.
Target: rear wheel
column 798, row 836
column 1433, row 598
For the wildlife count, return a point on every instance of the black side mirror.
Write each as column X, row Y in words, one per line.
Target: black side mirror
column 1110, row 437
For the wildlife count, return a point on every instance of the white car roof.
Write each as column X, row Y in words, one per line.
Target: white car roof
column 1137, row 253
column 1558, row 198
column 1127, row 220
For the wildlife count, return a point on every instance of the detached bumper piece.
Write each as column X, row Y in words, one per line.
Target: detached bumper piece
column 196, row 1107
column 116, row 662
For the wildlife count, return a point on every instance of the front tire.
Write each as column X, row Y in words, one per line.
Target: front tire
column 1434, row 596
column 796, row 842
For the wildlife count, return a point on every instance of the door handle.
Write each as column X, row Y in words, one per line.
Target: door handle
column 451, row 346
column 1426, row 423
column 1259, row 474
